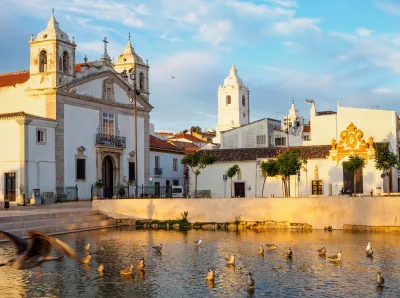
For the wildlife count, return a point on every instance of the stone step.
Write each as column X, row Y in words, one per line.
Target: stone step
column 50, row 222
column 65, row 228
column 49, row 215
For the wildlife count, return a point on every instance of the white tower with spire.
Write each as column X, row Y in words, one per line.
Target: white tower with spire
column 233, row 103
column 52, row 56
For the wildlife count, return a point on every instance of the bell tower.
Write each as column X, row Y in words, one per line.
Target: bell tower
column 233, row 103
column 52, row 57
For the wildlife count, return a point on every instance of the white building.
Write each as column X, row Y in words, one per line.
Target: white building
column 165, row 164
column 80, row 115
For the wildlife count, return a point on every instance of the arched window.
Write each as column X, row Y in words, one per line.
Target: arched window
column 243, row 100
column 65, row 61
column 43, row 61
column 228, row 99
column 141, row 81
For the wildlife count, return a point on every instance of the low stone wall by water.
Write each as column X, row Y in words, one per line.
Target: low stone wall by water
column 317, row 212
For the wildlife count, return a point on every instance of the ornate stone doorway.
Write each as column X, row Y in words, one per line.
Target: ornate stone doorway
column 108, row 176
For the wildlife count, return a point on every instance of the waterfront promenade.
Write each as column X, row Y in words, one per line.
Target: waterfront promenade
column 45, row 209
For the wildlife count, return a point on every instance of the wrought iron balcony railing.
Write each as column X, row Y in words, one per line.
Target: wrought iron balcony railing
column 157, row 171
column 116, row 141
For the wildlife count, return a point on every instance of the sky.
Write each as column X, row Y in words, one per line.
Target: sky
column 328, row 51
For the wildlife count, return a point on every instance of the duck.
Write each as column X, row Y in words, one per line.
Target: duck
column 157, row 248
column 336, row 258
column 87, row 259
column 261, row 250
column 36, row 251
column 379, row 279
column 231, row 260
column 100, row 268
column 127, row 271
column 271, row 246
column 87, row 246
column 210, row 275
column 322, row 251
column 141, row 264
column 198, row 242
column 250, row 280
column 369, row 250
column 289, row 253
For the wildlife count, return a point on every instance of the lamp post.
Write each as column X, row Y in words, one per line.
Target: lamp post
column 132, row 76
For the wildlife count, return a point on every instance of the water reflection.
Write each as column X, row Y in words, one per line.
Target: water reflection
column 180, row 270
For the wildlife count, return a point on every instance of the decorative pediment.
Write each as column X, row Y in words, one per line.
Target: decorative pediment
column 352, row 142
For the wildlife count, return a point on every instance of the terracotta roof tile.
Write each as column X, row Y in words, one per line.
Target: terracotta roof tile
column 158, row 144
column 250, row 154
column 78, row 66
column 187, row 147
column 188, row 137
column 8, row 116
column 13, row 78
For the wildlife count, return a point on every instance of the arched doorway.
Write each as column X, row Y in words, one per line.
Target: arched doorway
column 108, row 178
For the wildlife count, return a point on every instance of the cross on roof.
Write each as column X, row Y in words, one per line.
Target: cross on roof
column 129, row 36
column 52, row 11
column 105, row 45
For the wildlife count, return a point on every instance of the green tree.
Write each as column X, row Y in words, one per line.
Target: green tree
column 196, row 163
column 385, row 160
column 232, row 172
column 269, row 168
column 196, row 129
column 355, row 162
column 289, row 164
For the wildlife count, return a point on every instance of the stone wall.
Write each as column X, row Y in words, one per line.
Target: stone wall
column 317, row 212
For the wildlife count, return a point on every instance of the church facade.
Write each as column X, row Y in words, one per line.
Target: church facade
column 73, row 124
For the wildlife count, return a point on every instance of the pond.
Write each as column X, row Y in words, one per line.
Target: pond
column 181, row 268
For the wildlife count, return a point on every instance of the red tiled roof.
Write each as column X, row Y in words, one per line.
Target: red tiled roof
column 8, row 116
column 158, row 144
column 188, row 147
column 323, row 113
column 188, row 137
column 78, row 66
column 251, row 154
column 13, row 78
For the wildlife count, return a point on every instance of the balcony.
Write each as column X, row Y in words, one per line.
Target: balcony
column 108, row 140
column 157, row 172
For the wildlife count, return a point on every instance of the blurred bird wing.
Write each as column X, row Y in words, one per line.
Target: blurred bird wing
column 334, row 257
column 321, row 249
column 20, row 243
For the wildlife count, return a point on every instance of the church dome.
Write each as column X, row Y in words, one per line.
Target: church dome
column 52, row 31
column 233, row 78
column 129, row 56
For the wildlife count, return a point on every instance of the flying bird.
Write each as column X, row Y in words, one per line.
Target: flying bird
column 173, row 77
column 36, row 251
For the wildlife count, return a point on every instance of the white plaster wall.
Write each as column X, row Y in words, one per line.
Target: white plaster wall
column 10, row 154
column 246, row 136
column 166, row 163
column 93, row 88
column 323, row 129
column 80, row 128
column 120, row 95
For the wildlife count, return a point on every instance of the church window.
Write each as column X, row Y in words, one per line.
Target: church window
column 141, row 81
column 41, row 136
column 108, row 124
column 43, row 61
column 80, row 169
column 243, row 100
column 65, row 61
column 228, row 100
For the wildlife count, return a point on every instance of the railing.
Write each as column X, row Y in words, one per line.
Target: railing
column 117, row 141
column 67, row 193
column 125, row 192
column 157, row 171
column 155, row 192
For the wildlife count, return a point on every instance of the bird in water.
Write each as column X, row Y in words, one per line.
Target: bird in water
column 289, row 253
column 141, row 264
column 127, row 271
column 100, row 268
column 157, row 248
column 231, row 260
column 198, row 242
column 271, row 246
column 379, row 279
column 87, row 246
column 369, row 250
column 87, row 259
column 336, row 258
column 322, row 251
column 210, row 275
column 36, row 251
column 261, row 250
column 250, row 280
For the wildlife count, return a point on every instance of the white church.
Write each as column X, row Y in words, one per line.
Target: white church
column 70, row 125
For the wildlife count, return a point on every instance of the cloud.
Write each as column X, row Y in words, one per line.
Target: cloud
column 363, row 32
column 289, row 43
column 388, row 6
column 143, row 10
column 258, row 10
column 168, row 38
column 383, row 90
column 214, row 33
column 285, row 3
column 295, row 25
